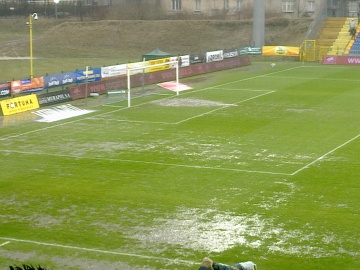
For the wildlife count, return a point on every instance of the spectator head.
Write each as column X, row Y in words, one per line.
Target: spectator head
column 207, row 262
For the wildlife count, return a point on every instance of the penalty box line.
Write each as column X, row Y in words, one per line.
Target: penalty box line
column 242, row 89
column 220, row 107
column 223, row 107
column 9, row 240
column 325, row 155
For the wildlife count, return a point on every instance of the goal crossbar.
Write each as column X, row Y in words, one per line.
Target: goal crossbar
column 129, row 70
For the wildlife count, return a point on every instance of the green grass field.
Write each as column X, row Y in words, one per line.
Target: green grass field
column 254, row 163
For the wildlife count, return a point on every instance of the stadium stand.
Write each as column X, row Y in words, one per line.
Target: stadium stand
column 329, row 31
column 334, row 36
column 338, row 47
column 354, row 45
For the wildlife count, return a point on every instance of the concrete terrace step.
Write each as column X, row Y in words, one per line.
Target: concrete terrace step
column 351, row 42
column 335, row 35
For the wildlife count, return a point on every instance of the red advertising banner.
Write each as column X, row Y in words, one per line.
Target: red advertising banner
column 341, row 60
column 27, row 86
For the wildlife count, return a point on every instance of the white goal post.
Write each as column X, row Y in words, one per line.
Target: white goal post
column 129, row 72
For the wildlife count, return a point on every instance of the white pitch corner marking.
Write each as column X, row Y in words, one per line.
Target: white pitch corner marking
column 5, row 243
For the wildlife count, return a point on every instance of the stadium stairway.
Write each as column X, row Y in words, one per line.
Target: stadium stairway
column 330, row 31
column 343, row 39
column 353, row 48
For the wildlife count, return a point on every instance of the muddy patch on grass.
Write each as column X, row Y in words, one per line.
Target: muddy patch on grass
column 187, row 102
column 295, row 110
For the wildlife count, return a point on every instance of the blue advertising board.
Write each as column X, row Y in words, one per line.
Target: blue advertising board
column 93, row 75
column 5, row 90
column 60, row 79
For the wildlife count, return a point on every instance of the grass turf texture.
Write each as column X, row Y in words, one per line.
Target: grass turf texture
column 269, row 174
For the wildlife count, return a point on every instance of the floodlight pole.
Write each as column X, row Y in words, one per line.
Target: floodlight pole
column 31, row 47
column 31, row 17
column 259, row 23
column 56, row 14
column 55, row 11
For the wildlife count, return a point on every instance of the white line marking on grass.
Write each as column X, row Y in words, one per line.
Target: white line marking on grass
column 131, row 121
column 145, row 162
column 314, row 78
column 5, row 243
column 113, row 106
column 223, row 107
column 98, row 250
column 326, row 154
column 243, row 89
column 36, row 130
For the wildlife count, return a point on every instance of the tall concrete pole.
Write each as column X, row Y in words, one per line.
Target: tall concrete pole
column 259, row 23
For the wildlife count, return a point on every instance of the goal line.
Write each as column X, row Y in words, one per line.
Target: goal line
column 132, row 71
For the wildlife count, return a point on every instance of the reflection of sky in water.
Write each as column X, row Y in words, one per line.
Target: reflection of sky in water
column 17, row 118
column 212, row 231
column 203, row 231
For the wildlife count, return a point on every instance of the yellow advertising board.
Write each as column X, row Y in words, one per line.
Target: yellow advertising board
column 137, row 67
column 156, row 62
column 280, row 51
column 142, row 67
column 19, row 104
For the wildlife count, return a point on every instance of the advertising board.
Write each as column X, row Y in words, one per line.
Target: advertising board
column 19, row 104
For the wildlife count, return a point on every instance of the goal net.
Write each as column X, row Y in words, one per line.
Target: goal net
column 140, row 68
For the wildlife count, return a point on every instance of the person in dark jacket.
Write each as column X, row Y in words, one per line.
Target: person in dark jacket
column 208, row 264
